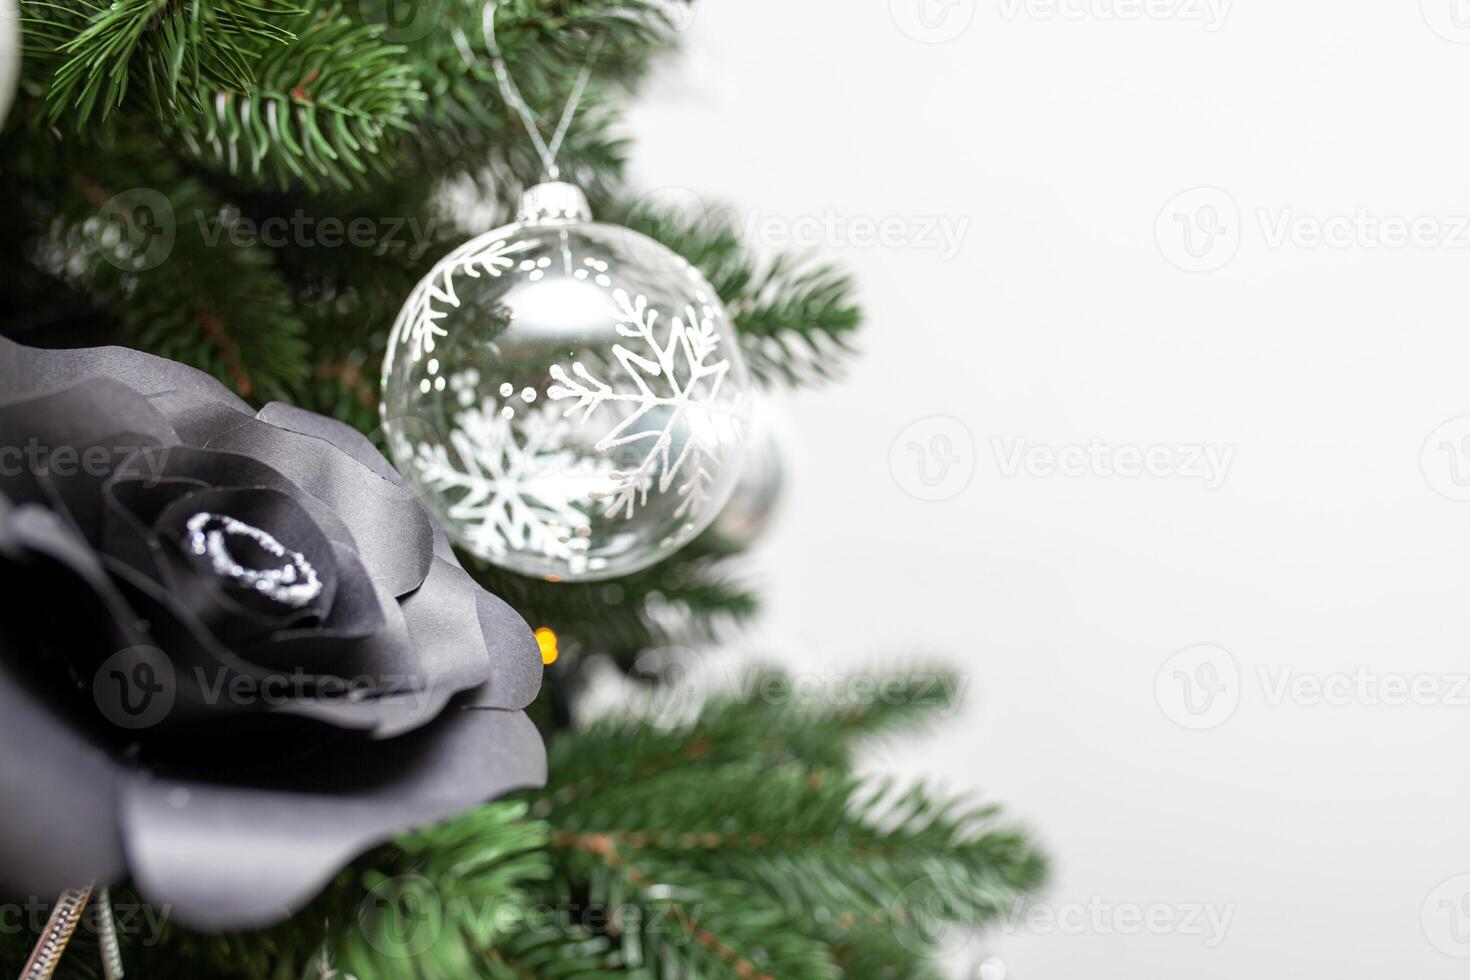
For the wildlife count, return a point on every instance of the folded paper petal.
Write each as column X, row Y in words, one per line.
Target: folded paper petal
column 195, row 404
column 59, row 791
column 223, row 857
column 515, row 656
column 393, row 532
column 62, row 445
column 354, row 444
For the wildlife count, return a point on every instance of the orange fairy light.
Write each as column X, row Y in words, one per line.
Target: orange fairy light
column 546, row 639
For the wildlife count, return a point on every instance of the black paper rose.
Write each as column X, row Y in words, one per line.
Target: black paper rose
column 235, row 650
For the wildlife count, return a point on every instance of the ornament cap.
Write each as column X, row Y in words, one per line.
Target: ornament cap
column 553, row 202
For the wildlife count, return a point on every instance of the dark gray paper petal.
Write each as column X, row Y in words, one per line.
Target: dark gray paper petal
column 61, row 446
column 229, row 858
column 206, row 673
column 29, row 533
column 226, row 469
column 195, row 404
column 393, row 533
column 60, row 794
column 58, row 788
column 361, row 636
column 515, row 656
column 339, row 434
column 354, row 444
column 129, row 508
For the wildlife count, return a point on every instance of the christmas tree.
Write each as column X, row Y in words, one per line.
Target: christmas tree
column 253, row 188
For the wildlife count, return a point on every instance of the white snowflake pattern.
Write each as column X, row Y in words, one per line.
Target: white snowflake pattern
column 687, row 379
column 418, row 323
column 515, row 488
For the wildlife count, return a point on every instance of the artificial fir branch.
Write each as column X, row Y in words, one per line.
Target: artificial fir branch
column 758, row 716
column 86, row 56
column 689, row 598
column 685, row 923
column 866, row 951
column 555, row 950
column 324, row 107
column 216, row 305
column 725, row 799
column 796, row 321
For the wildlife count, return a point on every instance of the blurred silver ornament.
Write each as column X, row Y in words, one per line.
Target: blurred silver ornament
column 9, row 54
column 991, row 968
column 756, row 499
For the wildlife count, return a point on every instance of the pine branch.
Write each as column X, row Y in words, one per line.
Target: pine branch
column 853, row 712
column 688, row 598
column 796, row 321
column 353, row 260
column 545, row 44
column 554, row 949
column 724, row 812
column 88, row 54
column 878, row 954
column 501, row 162
column 761, row 716
column 162, row 263
column 815, row 840
column 681, row 922
column 323, row 108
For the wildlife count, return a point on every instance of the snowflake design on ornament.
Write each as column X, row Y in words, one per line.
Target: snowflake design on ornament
column 680, row 376
column 419, row 320
column 510, row 493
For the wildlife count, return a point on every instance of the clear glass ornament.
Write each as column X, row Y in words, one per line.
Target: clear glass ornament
column 568, row 397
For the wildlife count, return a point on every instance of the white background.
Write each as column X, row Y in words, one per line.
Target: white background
column 1063, row 316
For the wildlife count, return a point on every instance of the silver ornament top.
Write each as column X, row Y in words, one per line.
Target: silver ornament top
column 554, row 201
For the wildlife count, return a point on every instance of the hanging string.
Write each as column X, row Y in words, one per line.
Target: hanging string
column 512, row 93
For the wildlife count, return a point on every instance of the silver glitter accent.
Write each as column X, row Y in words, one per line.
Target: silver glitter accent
column 554, row 201
column 105, row 927
column 55, row 937
column 294, row 584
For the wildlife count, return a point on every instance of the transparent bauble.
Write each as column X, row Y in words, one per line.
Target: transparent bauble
column 568, row 397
